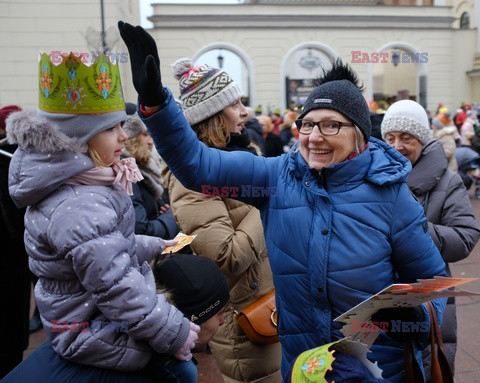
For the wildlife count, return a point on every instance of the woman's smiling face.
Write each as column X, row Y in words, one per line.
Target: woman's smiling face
column 321, row 151
column 406, row 144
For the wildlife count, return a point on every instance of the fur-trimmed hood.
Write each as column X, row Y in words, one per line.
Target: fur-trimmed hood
column 448, row 130
column 29, row 131
column 44, row 160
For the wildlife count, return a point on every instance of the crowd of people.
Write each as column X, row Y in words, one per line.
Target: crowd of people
column 97, row 197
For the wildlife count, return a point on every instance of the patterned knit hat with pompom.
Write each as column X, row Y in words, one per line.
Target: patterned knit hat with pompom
column 204, row 91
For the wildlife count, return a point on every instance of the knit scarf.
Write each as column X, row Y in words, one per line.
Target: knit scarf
column 354, row 154
column 152, row 175
column 124, row 172
column 240, row 141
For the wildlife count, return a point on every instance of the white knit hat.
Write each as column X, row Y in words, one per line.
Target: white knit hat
column 407, row 116
column 204, row 91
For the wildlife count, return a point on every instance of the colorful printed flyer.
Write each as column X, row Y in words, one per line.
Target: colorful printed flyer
column 360, row 332
column 358, row 325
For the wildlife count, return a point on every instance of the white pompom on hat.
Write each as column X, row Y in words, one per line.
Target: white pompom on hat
column 204, row 90
column 407, row 116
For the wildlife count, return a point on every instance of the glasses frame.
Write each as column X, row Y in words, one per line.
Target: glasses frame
column 319, row 124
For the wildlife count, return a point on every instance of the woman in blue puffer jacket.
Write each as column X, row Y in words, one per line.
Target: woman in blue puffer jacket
column 340, row 223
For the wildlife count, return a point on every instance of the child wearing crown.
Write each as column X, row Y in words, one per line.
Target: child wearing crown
column 96, row 292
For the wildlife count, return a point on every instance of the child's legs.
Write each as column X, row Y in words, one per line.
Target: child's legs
column 167, row 369
column 45, row 365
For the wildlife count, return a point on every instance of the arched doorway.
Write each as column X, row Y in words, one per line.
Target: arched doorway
column 402, row 76
column 301, row 66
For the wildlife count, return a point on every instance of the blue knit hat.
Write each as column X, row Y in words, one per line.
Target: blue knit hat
column 82, row 127
column 339, row 90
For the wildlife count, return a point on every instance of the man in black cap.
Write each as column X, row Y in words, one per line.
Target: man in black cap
column 197, row 288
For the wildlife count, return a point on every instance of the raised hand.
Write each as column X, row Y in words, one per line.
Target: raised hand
column 145, row 64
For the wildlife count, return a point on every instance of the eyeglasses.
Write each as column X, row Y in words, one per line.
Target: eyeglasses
column 327, row 128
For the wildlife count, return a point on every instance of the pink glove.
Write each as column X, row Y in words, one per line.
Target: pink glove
column 185, row 352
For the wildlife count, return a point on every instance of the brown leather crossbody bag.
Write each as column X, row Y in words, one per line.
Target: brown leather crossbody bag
column 259, row 320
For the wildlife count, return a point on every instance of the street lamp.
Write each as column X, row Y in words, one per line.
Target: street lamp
column 395, row 58
column 220, row 59
column 102, row 15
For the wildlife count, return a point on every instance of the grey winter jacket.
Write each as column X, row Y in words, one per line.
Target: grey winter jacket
column 93, row 272
column 451, row 221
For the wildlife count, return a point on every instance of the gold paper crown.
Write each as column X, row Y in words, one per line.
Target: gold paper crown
column 75, row 88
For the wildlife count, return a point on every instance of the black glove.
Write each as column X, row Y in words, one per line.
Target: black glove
column 145, row 64
column 403, row 324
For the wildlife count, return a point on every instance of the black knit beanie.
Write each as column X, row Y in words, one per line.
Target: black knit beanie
column 339, row 90
column 197, row 284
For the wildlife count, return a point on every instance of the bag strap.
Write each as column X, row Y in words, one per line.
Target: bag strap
column 440, row 369
column 413, row 371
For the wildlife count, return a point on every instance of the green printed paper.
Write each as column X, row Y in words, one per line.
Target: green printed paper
column 312, row 365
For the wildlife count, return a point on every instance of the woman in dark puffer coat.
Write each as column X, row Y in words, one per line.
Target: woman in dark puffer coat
column 442, row 194
column 153, row 215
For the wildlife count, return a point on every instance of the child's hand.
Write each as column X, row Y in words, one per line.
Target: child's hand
column 185, row 353
column 145, row 64
column 169, row 242
column 160, row 257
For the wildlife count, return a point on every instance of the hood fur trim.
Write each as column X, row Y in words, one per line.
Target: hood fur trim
column 28, row 130
column 448, row 130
